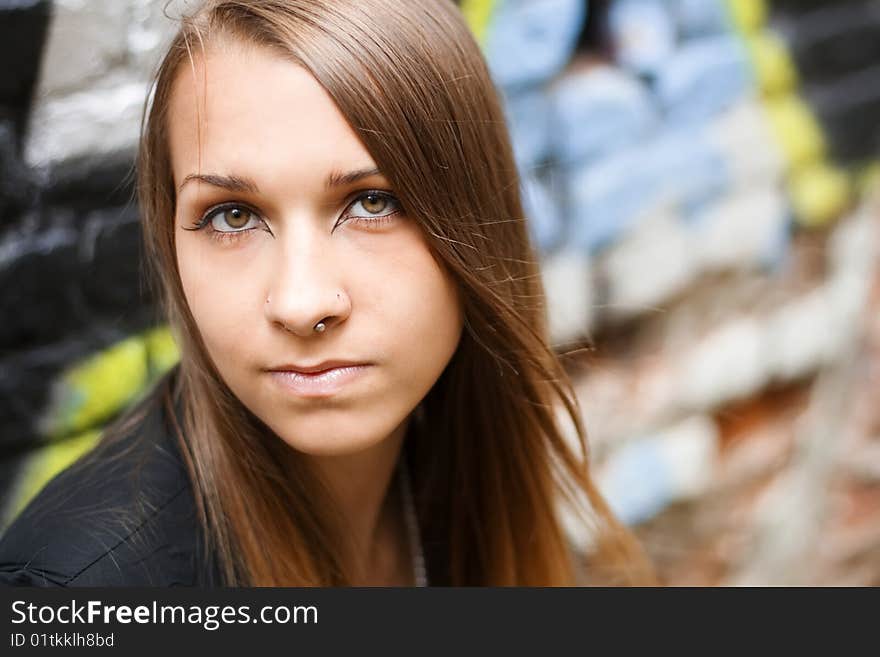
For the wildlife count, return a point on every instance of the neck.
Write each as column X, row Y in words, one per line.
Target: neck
column 365, row 491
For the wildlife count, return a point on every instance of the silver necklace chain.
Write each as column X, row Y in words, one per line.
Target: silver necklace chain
column 420, row 573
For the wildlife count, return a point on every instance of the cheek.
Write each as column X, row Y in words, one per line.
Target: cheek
column 219, row 301
column 426, row 310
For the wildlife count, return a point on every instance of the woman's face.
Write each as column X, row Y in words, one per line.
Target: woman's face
column 283, row 221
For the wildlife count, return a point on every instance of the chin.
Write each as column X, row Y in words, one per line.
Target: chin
column 330, row 439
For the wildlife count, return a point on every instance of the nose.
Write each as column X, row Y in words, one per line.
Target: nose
column 306, row 284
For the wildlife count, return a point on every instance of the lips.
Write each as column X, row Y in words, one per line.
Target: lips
column 324, row 380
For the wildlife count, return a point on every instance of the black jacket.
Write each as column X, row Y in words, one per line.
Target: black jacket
column 122, row 515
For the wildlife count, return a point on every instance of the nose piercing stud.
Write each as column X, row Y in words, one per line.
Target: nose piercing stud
column 320, row 327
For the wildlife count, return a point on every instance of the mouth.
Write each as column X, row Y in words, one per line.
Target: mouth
column 315, row 368
column 321, row 381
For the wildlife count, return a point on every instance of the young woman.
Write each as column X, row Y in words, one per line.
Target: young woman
column 365, row 393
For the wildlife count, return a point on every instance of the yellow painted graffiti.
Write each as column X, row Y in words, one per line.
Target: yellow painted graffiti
column 84, row 399
column 748, row 15
column 45, row 464
column 478, row 14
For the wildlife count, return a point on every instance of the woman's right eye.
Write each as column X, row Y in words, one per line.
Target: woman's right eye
column 231, row 218
column 229, row 221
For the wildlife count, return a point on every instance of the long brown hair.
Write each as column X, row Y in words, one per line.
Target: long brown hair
column 490, row 462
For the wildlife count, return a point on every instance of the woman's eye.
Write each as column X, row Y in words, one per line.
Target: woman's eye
column 374, row 204
column 235, row 217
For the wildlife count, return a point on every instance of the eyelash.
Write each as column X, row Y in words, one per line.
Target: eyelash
column 231, row 235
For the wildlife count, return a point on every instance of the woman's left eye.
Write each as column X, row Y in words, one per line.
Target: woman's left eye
column 373, row 205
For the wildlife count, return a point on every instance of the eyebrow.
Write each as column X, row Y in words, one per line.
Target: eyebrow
column 243, row 184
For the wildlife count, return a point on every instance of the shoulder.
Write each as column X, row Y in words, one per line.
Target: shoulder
column 123, row 515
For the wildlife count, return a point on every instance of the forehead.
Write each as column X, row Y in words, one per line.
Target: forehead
column 247, row 108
